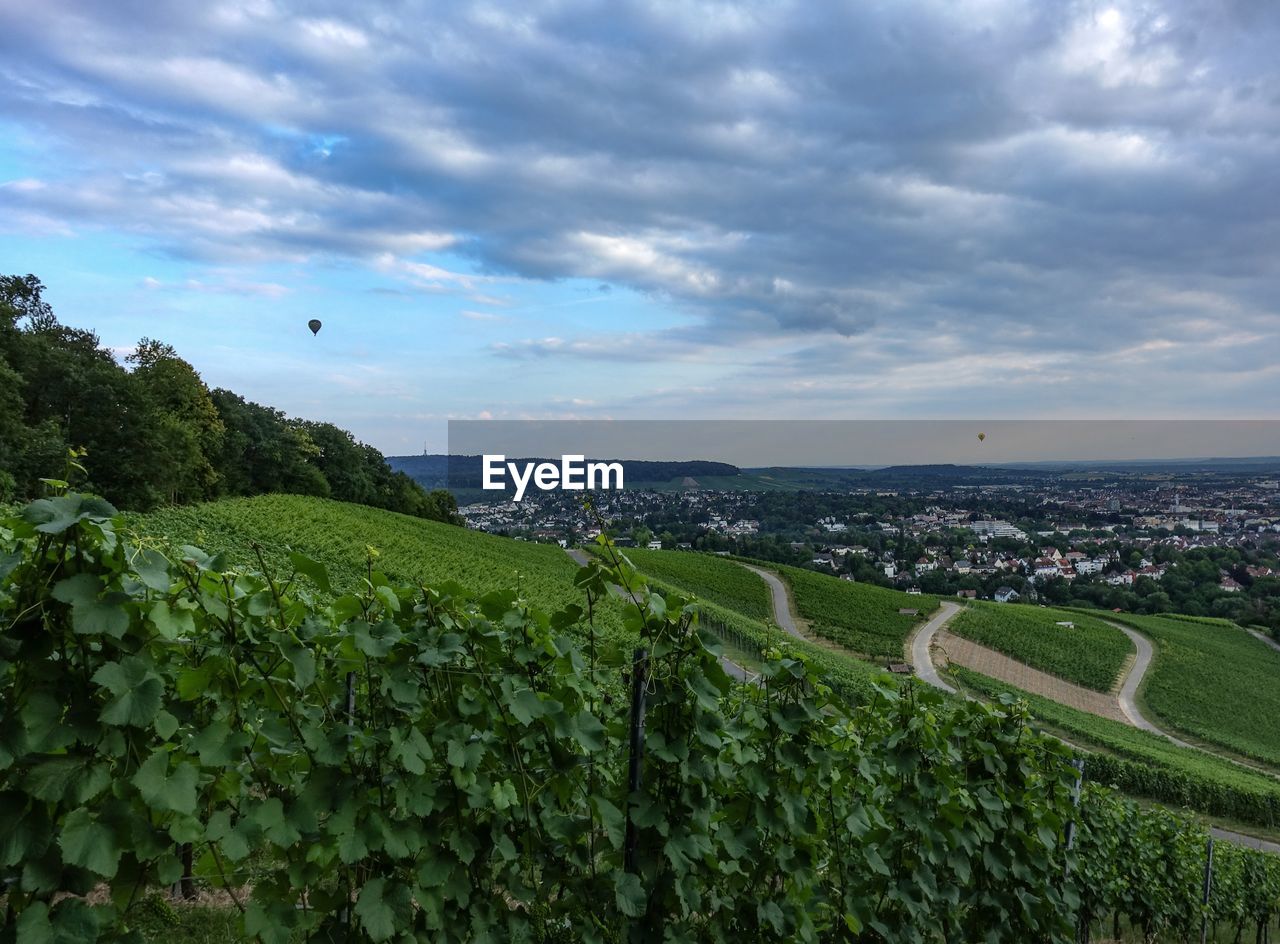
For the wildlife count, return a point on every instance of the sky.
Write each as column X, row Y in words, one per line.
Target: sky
column 558, row 209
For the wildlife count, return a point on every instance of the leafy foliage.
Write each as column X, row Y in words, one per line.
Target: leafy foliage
column 1213, row 681
column 1138, row 864
column 412, row 762
column 1089, row 652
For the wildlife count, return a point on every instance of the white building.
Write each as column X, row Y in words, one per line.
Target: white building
column 997, row 528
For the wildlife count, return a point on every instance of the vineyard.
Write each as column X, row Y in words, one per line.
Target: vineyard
column 403, row 761
column 1088, row 653
column 863, row 618
column 711, row 578
column 853, row 680
column 1213, row 681
column 337, row 534
column 1148, row 765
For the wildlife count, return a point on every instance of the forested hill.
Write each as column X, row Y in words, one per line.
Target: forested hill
column 154, row 433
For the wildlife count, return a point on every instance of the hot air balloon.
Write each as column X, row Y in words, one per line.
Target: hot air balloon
column 314, row 325
column 981, row 437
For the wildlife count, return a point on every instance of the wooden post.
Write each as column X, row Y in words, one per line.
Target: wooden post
column 1208, row 888
column 351, row 704
column 635, row 760
column 1078, row 764
column 188, row 883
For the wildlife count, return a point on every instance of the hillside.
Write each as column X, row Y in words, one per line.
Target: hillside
column 1213, row 681
column 409, row 549
column 1148, row 765
column 480, row 759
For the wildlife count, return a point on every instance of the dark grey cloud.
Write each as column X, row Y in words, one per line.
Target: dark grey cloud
column 991, row 179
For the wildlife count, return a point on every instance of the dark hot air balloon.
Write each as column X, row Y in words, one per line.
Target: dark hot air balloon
column 314, row 325
column 981, row 436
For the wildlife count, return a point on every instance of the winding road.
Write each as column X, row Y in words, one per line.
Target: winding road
column 781, row 599
column 1264, row 638
column 1133, row 681
column 922, row 639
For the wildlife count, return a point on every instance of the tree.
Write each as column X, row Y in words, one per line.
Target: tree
column 263, row 452
column 158, row 434
column 188, row 426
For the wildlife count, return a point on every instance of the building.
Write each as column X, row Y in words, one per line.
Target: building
column 997, row 528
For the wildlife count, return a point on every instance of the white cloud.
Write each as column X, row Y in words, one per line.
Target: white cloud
column 837, row 199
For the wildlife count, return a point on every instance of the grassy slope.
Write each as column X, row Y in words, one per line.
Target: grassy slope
column 711, row 578
column 1213, row 681
column 410, row 549
column 1090, row 653
column 859, row 616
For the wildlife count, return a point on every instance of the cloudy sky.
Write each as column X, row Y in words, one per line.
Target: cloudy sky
column 666, row 209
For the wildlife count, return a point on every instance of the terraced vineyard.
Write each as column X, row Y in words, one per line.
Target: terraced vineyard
column 1089, row 653
column 738, row 608
column 711, row 578
column 851, row 679
column 859, row 616
column 410, row 549
column 480, row 767
column 1213, row 681
column 1148, row 765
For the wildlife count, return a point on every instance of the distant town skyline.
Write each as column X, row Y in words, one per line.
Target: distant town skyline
column 651, row 210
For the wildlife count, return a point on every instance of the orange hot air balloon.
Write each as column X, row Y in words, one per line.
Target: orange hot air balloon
column 314, row 325
column 981, row 437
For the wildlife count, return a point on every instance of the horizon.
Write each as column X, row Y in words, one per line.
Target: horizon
column 1172, row 460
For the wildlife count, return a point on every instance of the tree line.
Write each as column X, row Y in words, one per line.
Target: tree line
column 152, row 433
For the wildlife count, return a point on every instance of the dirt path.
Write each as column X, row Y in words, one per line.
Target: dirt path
column 781, row 597
column 998, row 666
column 1264, row 638
column 920, row 641
column 732, row 668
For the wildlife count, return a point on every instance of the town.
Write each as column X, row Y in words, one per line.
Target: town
column 1202, row 544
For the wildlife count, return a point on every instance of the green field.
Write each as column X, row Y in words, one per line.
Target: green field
column 1089, row 653
column 1213, row 681
column 711, row 578
column 859, row 616
column 1161, row 770
column 410, row 549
